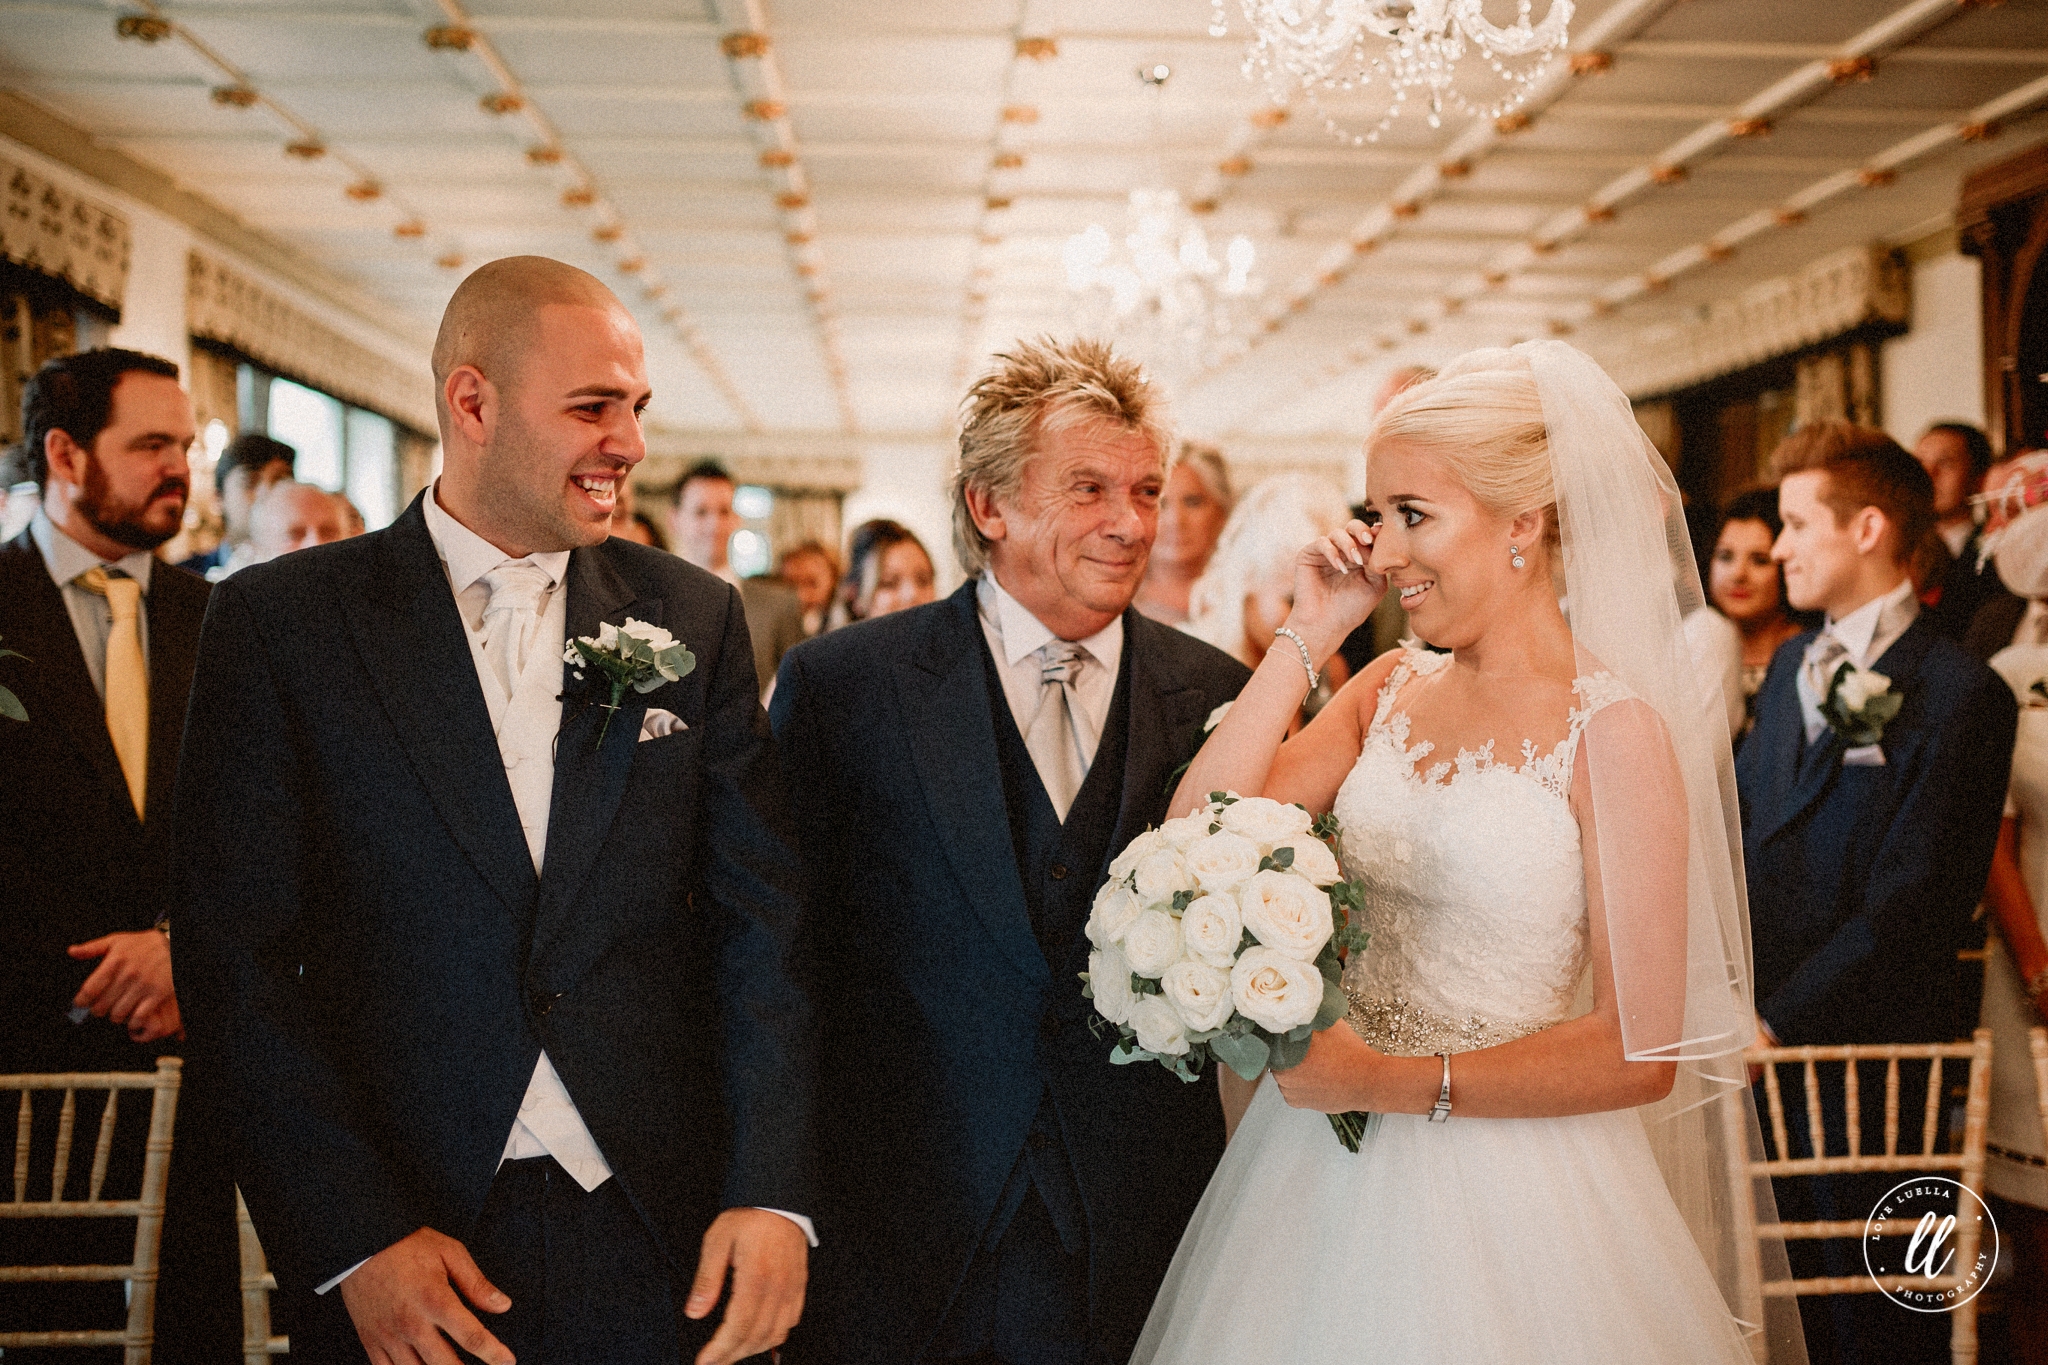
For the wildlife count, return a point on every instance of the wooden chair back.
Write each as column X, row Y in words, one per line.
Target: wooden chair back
column 147, row 1208
column 1966, row 1164
column 259, row 1344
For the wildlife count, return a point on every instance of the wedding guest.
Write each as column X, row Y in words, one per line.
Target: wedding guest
column 2007, row 617
column 887, row 569
column 995, row 1190
column 352, row 522
column 501, row 977
column 1248, row 588
column 109, row 635
column 813, row 572
column 1191, row 515
column 701, row 527
column 1865, row 858
column 2016, row 1000
column 1748, row 587
column 1957, row 457
column 293, row 516
column 250, row 463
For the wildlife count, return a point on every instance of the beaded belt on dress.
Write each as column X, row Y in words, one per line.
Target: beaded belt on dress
column 1402, row 1029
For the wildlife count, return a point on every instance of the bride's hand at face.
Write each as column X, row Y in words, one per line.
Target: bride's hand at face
column 1337, row 1076
column 1334, row 588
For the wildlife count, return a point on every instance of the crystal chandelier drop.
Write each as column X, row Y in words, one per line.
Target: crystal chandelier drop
column 1410, row 47
column 1159, row 292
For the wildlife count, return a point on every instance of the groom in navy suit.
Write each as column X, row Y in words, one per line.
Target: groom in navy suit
column 992, row 1188
column 498, row 963
column 1866, row 856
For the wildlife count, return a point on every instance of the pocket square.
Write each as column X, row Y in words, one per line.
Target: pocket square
column 1863, row 756
column 658, row 722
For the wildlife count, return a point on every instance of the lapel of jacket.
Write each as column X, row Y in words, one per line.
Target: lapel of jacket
column 416, row 651
column 1163, row 711
column 590, row 779
column 944, row 693
column 40, row 627
column 176, row 609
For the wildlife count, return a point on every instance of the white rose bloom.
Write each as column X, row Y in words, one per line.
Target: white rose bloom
column 1109, row 981
column 1212, row 928
column 1199, row 994
column 654, row 636
column 1160, row 874
column 1287, row 913
column 1152, row 943
column 1313, row 860
column 1264, row 821
column 1159, row 1028
column 1135, row 852
column 1220, row 861
column 1115, row 907
column 1275, row 991
column 1860, row 686
column 607, row 635
column 1186, row 830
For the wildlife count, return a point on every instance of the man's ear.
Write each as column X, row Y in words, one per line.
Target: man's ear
column 472, row 404
column 988, row 517
column 64, row 457
column 1869, row 527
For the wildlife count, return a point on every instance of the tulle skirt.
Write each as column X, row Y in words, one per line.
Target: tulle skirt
column 1472, row 1242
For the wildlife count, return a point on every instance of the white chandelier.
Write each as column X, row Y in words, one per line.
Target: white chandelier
column 1163, row 296
column 1412, row 47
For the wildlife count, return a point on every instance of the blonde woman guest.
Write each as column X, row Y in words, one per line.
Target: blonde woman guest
column 1247, row 591
column 1748, row 587
column 1191, row 517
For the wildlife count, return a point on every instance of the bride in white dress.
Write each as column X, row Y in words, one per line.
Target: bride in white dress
column 1544, row 822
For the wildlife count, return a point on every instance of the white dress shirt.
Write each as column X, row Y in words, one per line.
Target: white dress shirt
column 1866, row 633
column 1014, row 638
column 92, row 619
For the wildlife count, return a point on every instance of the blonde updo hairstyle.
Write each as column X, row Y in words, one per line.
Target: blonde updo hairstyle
column 1482, row 418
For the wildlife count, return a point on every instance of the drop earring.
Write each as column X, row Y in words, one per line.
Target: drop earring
column 1516, row 552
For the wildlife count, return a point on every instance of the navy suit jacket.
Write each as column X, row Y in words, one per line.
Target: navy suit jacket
column 1863, row 880
column 944, row 1024
column 365, row 944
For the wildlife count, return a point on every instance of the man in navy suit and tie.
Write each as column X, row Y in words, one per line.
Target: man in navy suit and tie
column 1866, row 854
column 497, row 964
column 993, row 1190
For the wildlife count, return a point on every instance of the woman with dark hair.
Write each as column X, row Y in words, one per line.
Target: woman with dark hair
column 1748, row 587
column 887, row 569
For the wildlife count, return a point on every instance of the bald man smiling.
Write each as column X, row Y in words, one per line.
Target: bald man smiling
column 499, row 968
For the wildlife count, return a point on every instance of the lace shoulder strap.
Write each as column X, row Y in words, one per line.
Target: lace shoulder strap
column 1596, row 692
column 1416, row 662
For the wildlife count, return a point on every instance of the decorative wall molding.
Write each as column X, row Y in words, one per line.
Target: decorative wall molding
column 57, row 232
column 1837, row 293
column 226, row 306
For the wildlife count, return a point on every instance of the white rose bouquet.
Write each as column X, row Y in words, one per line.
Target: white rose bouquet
column 1218, row 936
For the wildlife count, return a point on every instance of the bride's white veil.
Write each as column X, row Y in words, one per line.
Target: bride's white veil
column 1629, row 581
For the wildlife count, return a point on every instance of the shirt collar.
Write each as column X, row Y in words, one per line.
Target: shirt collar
column 66, row 559
column 1023, row 634
column 1881, row 618
column 468, row 556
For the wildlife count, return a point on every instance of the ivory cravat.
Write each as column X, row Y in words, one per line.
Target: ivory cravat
column 1052, row 740
column 127, row 676
column 510, row 616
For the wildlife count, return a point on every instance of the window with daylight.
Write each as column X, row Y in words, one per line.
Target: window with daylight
column 342, row 448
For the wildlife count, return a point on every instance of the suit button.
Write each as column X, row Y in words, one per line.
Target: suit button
column 1059, row 872
column 544, row 1002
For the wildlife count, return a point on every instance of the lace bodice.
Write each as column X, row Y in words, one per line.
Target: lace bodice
column 1475, row 891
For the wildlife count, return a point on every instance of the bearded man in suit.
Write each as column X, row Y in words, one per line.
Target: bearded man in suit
column 496, row 959
column 993, row 1189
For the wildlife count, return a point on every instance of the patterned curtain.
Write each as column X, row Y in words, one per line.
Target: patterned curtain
column 805, row 514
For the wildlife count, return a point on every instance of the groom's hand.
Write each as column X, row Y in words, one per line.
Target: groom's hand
column 769, row 1261
column 402, row 1303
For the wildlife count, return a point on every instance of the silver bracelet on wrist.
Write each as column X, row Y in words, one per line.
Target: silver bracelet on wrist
column 1441, row 1110
column 1308, row 660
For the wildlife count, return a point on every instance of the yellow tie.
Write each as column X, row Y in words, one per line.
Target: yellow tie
column 127, row 678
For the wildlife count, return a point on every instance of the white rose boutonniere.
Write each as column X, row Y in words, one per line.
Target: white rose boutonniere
column 1859, row 705
column 634, row 657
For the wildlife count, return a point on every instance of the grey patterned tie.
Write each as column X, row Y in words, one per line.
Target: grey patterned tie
column 1054, row 738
